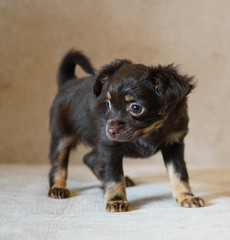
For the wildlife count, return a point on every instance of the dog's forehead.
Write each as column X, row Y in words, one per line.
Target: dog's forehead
column 134, row 71
column 125, row 79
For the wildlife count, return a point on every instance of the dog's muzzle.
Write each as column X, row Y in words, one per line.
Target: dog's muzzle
column 114, row 127
column 117, row 131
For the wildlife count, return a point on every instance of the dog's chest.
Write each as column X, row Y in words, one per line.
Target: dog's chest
column 140, row 149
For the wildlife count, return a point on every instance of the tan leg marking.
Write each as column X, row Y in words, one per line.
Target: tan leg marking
column 62, row 148
column 115, row 196
column 182, row 192
column 61, row 175
column 58, row 189
column 60, row 179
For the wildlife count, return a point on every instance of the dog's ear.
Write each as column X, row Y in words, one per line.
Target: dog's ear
column 106, row 71
column 169, row 84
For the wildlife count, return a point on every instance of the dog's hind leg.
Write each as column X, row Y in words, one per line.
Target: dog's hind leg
column 93, row 162
column 59, row 155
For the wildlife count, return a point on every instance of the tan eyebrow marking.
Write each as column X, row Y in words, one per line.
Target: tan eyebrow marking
column 109, row 95
column 129, row 98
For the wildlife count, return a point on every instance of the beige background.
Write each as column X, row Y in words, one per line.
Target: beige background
column 34, row 35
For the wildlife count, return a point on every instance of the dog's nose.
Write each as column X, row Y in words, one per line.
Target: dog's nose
column 113, row 132
column 114, row 128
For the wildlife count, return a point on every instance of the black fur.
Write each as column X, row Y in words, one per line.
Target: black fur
column 79, row 113
column 67, row 66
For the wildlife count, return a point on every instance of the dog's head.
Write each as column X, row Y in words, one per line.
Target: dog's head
column 138, row 98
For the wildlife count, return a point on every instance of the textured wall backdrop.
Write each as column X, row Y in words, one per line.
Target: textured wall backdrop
column 36, row 34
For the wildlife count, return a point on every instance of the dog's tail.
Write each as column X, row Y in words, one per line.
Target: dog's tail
column 67, row 66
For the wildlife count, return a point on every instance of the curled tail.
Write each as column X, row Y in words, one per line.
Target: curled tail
column 67, row 66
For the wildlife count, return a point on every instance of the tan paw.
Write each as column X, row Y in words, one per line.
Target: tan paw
column 59, row 193
column 190, row 201
column 117, row 206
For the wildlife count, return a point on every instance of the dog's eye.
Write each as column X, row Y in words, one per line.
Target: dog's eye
column 136, row 109
column 108, row 104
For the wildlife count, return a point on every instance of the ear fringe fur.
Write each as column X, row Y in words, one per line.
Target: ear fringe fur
column 170, row 83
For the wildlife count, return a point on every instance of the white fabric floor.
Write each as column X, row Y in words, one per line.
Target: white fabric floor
column 27, row 213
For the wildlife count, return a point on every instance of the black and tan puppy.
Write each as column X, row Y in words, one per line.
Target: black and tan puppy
column 124, row 109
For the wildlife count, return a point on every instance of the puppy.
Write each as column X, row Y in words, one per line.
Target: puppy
column 123, row 110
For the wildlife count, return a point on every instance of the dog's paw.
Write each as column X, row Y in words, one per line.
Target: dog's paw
column 190, row 201
column 59, row 193
column 117, row 206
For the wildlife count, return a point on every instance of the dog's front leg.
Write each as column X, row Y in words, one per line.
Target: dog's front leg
column 114, row 185
column 173, row 155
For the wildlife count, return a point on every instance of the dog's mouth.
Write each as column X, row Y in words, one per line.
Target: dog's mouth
column 121, row 137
